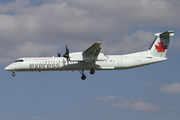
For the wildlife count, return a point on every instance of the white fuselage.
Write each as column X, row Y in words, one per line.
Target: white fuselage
column 114, row 62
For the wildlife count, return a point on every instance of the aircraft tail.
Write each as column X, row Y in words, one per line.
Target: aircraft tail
column 160, row 45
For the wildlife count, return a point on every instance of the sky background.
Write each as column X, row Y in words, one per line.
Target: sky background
column 44, row 27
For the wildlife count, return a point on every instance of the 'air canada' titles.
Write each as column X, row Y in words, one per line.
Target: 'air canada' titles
column 44, row 66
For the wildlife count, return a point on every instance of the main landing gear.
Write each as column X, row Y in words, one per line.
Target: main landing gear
column 13, row 74
column 83, row 77
column 92, row 71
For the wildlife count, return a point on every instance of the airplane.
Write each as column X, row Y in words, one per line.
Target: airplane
column 92, row 59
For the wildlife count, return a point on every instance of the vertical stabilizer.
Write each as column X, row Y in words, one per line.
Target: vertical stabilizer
column 160, row 45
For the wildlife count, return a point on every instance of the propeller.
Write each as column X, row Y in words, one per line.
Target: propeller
column 66, row 55
column 59, row 54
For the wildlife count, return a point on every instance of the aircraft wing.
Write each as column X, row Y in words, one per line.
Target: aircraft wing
column 95, row 49
column 89, row 55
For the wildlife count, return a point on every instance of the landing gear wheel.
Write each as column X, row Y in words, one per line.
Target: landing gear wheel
column 83, row 77
column 13, row 74
column 92, row 71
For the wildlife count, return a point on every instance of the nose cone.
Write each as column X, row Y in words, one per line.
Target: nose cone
column 8, row 68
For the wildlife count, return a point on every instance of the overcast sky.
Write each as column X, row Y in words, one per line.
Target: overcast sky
column 44, row 27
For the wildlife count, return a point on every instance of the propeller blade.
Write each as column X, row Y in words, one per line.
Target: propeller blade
column 66, row 55
column 59, row 54
column 67, row 50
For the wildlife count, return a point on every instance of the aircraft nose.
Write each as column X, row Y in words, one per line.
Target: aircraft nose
column 8, row 68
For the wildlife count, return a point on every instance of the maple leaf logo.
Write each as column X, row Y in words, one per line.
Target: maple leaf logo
column 161, row 48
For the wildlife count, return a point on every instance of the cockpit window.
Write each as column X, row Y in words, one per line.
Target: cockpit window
column 19, row 61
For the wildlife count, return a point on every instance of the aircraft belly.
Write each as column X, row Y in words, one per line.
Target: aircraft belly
column 78, row 66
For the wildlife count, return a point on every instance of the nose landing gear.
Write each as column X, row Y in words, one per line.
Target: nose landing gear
column 13, row 74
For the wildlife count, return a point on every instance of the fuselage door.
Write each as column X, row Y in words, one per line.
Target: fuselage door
column 119, row 62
